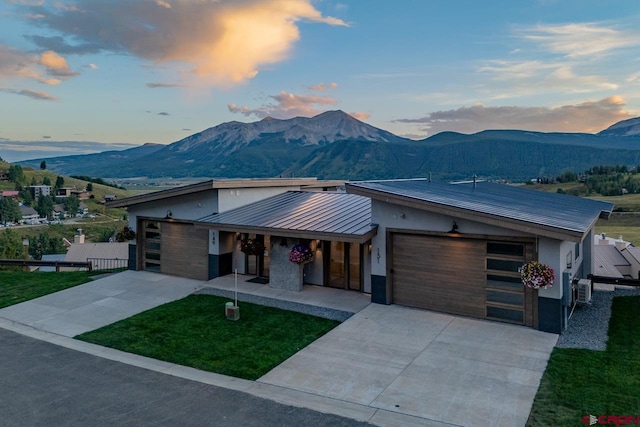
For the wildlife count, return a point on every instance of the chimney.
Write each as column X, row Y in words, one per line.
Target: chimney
column 78, row 239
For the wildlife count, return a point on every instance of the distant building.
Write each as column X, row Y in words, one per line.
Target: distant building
column 39, row 190
column 28, row 214
column 64, row 192
column 110, row 197
column 616, row 258
column 10, row 193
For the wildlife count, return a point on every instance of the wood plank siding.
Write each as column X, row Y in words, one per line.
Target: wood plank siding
column 439, row 274
column 471, row 276
column 185, row 251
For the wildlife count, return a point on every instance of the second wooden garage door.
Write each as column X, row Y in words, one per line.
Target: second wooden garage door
column 439, row 273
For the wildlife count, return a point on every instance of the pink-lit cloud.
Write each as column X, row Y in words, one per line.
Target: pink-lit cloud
column 221, row 42
column 592, row 116
column 48, row 67
column 287, row 105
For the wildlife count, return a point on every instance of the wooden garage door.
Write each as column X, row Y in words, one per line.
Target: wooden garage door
column 176, row 249
column 185, row 251
column 439, row 273
column 466, row 276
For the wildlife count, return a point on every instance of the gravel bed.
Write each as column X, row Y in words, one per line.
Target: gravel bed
column 327, row 313
column 589, row 324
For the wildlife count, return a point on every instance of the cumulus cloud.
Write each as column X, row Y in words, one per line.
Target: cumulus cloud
column 220, row 41
column 287, row 105
column 48, row 67
column 56, row 65
column 33, row 94
column 590, row 116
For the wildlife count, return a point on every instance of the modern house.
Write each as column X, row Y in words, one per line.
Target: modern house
column 168, row 240
column 616, row 258
column 455, row 248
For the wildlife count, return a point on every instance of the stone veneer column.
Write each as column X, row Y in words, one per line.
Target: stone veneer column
column 284, row 274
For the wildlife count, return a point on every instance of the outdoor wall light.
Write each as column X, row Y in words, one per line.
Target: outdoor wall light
column 169, row 214
column 454, row 228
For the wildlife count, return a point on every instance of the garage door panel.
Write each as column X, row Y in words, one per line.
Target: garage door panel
column 184, row 251
column 443, row 274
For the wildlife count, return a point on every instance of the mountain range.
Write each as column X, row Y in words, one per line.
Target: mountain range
column 336, row 145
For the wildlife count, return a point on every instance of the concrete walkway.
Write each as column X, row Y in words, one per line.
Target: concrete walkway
column 99, row 303
column 388, row 365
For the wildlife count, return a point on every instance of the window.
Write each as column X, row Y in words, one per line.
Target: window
column 577, row 250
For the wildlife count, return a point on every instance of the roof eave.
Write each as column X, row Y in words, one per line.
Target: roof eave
column 300, row 234
column 499, row 221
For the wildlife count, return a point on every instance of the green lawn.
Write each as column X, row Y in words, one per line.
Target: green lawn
column 194, row 332
column 18, row 286
column 581, row 382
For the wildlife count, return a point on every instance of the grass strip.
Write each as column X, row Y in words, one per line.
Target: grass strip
column 585, row 382
column 195, row 332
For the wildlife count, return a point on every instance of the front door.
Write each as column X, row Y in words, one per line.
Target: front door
column 343, row 271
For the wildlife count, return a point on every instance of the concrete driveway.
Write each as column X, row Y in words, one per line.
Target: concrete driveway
column 445, row 370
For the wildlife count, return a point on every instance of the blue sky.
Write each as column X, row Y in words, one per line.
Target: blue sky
column 136, row 71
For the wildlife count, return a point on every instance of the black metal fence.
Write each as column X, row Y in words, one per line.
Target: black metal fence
column 92, row 264
column 39, row 263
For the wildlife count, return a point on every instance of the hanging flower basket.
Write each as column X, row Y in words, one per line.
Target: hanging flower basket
column 252, row 246
column 536, row 275
column 301, row 254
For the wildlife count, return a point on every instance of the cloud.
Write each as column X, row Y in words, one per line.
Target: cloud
column 91, row 66
column 48, row 67
column 323, row 87
column 163, row 113
column 535, row 77
column 163, row 85
column 56, row 65
column 33, row 94
column 584, row 117
column 287, row 105
column 360, row 115
column 220, row 41
column 580, row 39
column 46, row 136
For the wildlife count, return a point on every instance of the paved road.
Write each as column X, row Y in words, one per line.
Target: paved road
column 42, row 384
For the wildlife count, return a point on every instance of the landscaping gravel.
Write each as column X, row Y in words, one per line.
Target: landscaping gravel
column 589, row 324
column 327, row 313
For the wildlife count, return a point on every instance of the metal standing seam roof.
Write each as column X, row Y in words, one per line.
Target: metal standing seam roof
column 606, row 258
column 610, row 254
column 304, row 214
column 537, row 209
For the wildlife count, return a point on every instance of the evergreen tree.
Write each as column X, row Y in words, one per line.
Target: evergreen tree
column 45, row 206
column 71, row 205
column 43, row 165
column 59, row 182
column 46, row 181
column 90, row 186
column 9, row 210
column 11, row 245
